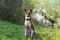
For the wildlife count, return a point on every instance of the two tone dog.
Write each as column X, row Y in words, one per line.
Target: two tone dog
column 29, row 27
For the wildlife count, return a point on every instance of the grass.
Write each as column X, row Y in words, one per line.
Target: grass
column 10, row 31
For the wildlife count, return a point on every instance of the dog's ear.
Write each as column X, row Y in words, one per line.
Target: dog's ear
column 31, row 11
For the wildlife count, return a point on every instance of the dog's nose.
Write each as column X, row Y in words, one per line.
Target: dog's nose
column 27, row 15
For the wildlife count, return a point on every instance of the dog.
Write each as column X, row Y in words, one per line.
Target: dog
column 29, row 27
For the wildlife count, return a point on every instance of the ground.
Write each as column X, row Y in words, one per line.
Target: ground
column 11, row 31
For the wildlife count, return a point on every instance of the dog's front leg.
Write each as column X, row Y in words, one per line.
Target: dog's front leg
column 25, row 32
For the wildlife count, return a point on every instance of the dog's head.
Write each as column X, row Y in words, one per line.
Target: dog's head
column 28, row 12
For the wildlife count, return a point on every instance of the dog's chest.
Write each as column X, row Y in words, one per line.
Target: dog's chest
column 27, row 23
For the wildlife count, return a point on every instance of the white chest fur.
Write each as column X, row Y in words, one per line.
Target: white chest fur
column 27, row 23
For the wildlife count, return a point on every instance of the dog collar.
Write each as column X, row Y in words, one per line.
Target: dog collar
column 27, row 19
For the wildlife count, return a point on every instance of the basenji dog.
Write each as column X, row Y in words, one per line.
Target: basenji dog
column 29, row 27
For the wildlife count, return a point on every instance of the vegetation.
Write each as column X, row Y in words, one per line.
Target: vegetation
column 10, row 31
column 12, row 14
column 13, row 10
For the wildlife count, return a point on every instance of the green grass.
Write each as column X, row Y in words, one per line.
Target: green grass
column 10, row 31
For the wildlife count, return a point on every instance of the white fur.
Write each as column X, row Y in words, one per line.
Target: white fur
column 27, row 23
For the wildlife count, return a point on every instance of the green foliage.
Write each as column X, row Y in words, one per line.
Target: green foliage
column 29, row 4
column 11, row 10
column 10, row 31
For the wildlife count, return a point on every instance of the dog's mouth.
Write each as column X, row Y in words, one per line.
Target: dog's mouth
column 28, row 15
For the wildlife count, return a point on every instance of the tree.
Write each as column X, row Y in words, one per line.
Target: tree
column 29, row 4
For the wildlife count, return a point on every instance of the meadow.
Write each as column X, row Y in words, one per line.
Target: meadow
column 13, row 11
column 11, row 31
